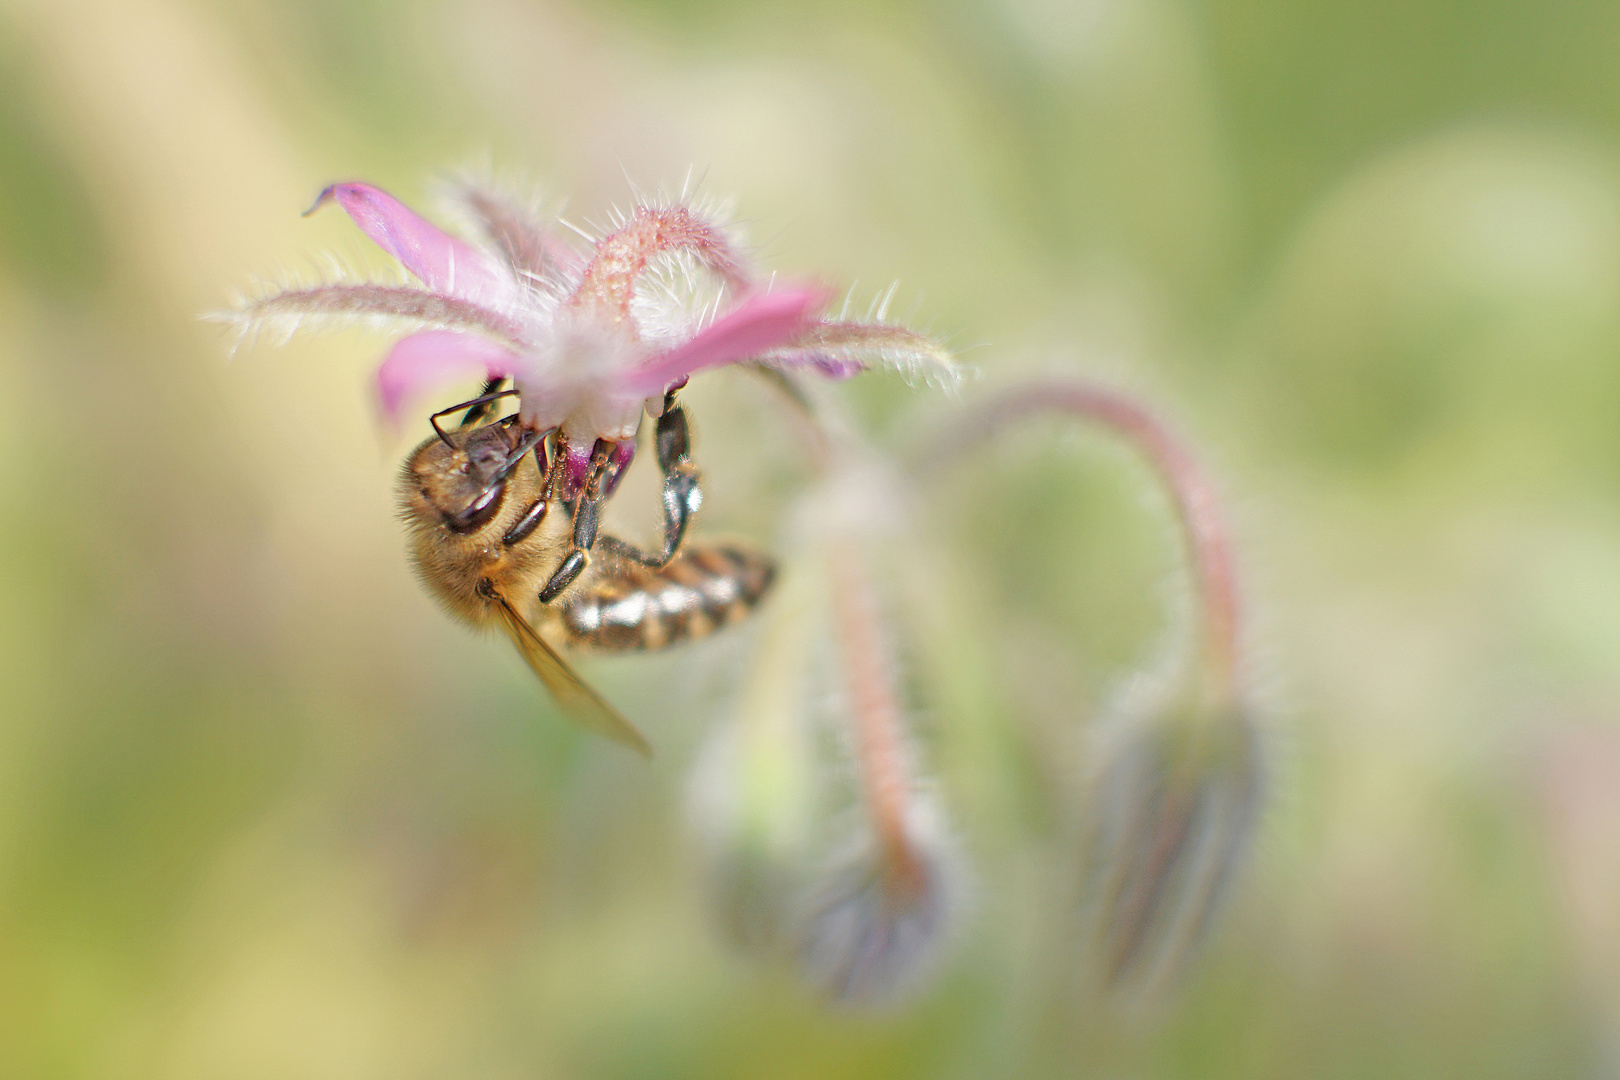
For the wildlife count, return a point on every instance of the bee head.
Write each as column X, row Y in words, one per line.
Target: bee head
column 460, row 481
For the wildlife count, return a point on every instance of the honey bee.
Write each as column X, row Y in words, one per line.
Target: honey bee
column 477, row 505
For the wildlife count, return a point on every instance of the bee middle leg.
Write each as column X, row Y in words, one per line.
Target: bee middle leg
column 683, row 494
column 587, row 516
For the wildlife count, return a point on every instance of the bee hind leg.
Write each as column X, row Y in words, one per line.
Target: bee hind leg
column 683, row 491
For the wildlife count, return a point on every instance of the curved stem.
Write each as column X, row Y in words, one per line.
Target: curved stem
column 1197, row 505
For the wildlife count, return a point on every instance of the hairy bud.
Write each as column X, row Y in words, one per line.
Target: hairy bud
column 1174, row 802
column 875, row 925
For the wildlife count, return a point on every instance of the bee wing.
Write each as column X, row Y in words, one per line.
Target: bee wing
column 582, row 704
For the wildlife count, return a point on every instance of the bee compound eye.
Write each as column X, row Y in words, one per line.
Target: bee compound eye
column 477, row 514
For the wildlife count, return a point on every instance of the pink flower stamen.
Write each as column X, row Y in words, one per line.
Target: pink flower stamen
column 622, row 256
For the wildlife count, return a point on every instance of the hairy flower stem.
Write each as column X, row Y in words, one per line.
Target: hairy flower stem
column 868, row 662
column 880, row 741
column 1197, row 505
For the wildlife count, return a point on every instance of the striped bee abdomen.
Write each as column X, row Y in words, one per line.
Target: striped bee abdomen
column 625, row 607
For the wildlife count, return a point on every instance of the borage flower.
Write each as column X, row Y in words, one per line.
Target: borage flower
column 587, row 338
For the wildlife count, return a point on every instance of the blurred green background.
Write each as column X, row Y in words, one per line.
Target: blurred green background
column 265, row 812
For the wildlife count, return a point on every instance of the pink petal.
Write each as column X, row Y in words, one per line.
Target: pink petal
column 364, row 303
column 826, row 363
column 760, row 323
column 437, row 259
column 840, row 349
column 435, row 357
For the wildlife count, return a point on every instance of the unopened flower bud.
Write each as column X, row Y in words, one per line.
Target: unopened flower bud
column 1173, row 808
column 876, row 924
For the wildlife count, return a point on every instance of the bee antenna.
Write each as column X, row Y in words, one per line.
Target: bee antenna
column 478, row 412
column 477, row 402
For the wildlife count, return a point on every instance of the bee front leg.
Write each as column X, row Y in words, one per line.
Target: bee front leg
column 551, row 471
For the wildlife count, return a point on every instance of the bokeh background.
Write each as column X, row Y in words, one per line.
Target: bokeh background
column 265, row 812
